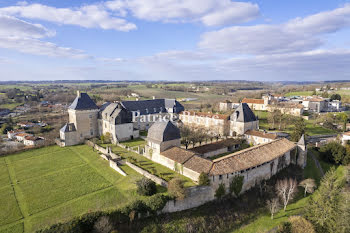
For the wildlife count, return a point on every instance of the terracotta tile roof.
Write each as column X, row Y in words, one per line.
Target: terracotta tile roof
column 215, row 146
column 16, row 131
column 22, row 135
column 315, row 100
column 198, row 164
column 178, row 154
column 261, row 134
column 253, row 101
column 251, row 157
column 347, row 133
column 205, row 114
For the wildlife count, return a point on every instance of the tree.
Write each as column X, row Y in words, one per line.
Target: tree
column 285, row 190
column 176, row 188
column 343, row 117
column 103, row 225
column 272, row 118
column 185, row 135
column 308, row 185
column 324, row 94
column 273, row 206
column 220, row 191
column 334, row 152
column 327, row 207
column 335, row 97
column 5, row 128
column 299, row 129
column 146, row 187
column 236, row 185
column 203, row 179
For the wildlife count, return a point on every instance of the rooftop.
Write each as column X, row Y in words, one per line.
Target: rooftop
column 178, row 154
column 243, row 114
column 198, row 164
column 251, row 157
column 215, row 146
column 206, row 114
column 261, row 134
column 83, row 102
column 253, row 101
column 163, row 131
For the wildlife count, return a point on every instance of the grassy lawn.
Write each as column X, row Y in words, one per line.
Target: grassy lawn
column 150, row 166
column 263, row 222
column 311, row 127
column 299, row 93
column 44, row 186
column 135, row 142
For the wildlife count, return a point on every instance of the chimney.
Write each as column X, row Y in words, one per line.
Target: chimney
column 78, row 94
column 153, row 97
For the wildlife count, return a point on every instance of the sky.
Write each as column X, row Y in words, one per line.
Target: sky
column 175, row 40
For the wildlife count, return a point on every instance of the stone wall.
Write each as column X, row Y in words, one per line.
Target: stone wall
column 115, row 166
column 195, row 197
column 148, row 175
column 215, row 152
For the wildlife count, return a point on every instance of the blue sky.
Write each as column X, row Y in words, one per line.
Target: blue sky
column 172, row 40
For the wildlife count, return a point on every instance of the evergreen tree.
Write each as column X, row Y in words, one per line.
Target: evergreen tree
column 299, row 129
column 325, row 208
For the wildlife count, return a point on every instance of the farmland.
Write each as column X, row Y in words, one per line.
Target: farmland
column 44, row 186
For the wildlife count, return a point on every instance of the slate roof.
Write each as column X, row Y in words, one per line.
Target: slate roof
column 163, row 131
column 83, row 102
column 251, row 157
column 261, row 134
column 153, row 106
column 178, row 154
column 243, row 114
column 302, row 140
column 66, row 128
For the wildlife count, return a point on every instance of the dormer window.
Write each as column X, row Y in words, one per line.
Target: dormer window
column 155, row 109
column 146, row 110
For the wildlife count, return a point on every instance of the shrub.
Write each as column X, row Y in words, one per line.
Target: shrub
column 236, row 185
column 285, row 227
column 334, row 152
column 146, row 187
column 176, row 188
column 156, row 202
column 221, row 191
column 301, row 225
column 204, row 179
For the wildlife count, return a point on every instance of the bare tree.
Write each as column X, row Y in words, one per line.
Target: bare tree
column 308, row 185
column 286, row 189
column 273, row 205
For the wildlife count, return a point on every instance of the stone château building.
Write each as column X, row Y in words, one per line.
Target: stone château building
column 122, row 120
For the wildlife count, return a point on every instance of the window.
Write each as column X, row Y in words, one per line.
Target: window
column 91, row 132
column 227, row 175
column 220, row 177
column 155, row 109
column 90, row 116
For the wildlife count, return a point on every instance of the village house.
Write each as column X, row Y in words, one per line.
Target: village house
column 12, row 133
column 315, row 104
column 33, row 141
column 289, row 108
column 227, row 106
column 257, row 104
column 255, row 137
column 21, row 136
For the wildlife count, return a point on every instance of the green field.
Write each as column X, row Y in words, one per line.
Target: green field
column 311, row 127
column 10, row 106
column 43, row 186
column 299, row 93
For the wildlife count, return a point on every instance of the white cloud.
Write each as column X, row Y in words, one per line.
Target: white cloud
column 38, row 47
column 10, row 26
column 300, row 34
column 208, row 12
column 88, row 16
column 24, row 37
